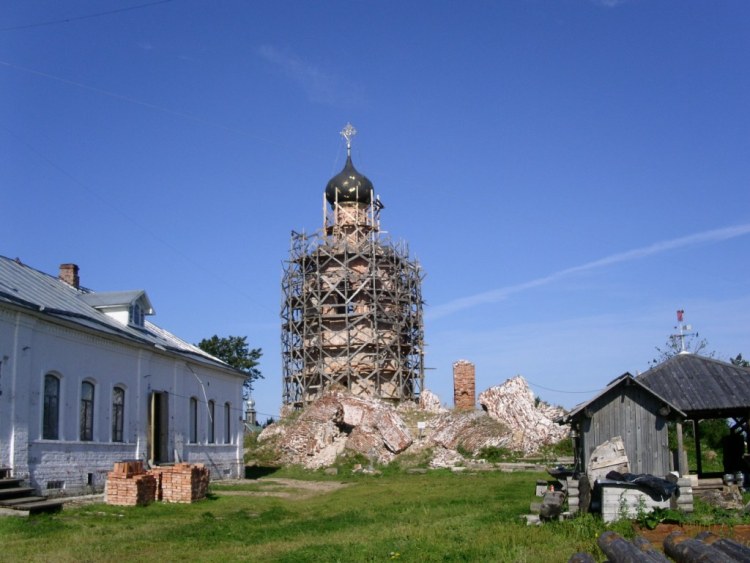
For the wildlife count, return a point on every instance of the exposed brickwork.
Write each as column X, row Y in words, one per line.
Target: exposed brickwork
column 69, row 274
column 464, row 385
column 130, row 485
column 182, row 482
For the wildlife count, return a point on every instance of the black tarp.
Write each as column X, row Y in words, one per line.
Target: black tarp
column 656, row 487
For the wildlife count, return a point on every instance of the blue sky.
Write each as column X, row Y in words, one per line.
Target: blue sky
column 569, row 173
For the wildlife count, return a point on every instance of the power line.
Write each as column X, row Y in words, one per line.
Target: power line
column 155, row 107
column 84, row 17
column 141, row 226
column 560, row 390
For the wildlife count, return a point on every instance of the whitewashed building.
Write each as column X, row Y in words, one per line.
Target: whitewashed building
column 86, row 380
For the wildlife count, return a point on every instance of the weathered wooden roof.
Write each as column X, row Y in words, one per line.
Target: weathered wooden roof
column 701, row 387
column 625, row 379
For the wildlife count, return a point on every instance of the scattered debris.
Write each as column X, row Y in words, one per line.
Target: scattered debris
column 606, row 457
column 530, row 421
column 340, row 422
column 430, row 402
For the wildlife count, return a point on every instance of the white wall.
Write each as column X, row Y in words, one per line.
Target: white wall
column 32, row 346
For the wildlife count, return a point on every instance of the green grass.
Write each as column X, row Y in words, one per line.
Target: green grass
column 438, row 516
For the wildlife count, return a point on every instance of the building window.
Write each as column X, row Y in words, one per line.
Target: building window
column 118, row 413
column 87, row 411
column 211, row 423
column 193, row 420
column 227, row 423
column 135, row 315
column 51, row 420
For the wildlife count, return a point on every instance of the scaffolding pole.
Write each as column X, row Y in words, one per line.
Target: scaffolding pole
column 351, row 311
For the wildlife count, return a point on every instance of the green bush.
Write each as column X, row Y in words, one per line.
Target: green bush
column 495, row 454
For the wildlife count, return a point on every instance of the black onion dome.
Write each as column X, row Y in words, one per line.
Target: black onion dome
column 349, row 186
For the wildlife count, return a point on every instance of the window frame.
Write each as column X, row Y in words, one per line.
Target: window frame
column 227, row 423
column 211, row 422
column 193, row 421
column 136, row 315
column 118, row 414
column 51, row 413
column 86, row 412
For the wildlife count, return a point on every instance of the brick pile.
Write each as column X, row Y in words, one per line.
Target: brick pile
column 464, row 392
column 128, row 484
column 182, row 482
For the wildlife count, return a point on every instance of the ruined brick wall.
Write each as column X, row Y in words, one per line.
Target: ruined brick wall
column 464, row 385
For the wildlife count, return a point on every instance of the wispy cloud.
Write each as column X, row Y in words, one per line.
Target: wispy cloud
column 495, row 295
column 320, row 87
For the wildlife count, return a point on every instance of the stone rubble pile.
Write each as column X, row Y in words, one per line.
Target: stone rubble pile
column 531, row 426
column 340, row 422
column 335, row 422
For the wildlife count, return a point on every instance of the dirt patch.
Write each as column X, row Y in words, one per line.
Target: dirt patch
column 739, row 533
column 283, row 488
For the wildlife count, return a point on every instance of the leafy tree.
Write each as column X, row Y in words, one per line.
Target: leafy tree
column 235, row 351
column 674, row 345
column 740, row 361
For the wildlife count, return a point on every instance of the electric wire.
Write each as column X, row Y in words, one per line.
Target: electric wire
column 155, row 107
column 85, row 17
column 142, row 227
column 561, row 391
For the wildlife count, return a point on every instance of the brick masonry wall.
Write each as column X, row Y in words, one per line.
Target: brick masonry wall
column 70, row 463
column 464, row 385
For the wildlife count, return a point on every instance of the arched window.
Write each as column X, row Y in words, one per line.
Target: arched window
column 193, row 420
column 118, row 413
column 51, row 413
column 87, row 411
column 227, row 423
column 211, row 422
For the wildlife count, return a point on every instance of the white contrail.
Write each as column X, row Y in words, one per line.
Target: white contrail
column 499, row 294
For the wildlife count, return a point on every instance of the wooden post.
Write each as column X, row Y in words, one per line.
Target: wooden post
column 698, row 453
column 680, row 445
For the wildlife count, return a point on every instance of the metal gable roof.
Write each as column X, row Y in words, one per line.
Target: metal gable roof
column 47, row 295
column 103, row 300
column 700, row 385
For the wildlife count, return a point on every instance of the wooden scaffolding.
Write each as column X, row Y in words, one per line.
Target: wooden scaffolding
column 351, row 311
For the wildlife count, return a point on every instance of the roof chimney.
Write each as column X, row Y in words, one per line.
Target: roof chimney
column 69, row 274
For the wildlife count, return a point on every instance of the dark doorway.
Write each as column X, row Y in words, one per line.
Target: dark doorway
column 158, row 435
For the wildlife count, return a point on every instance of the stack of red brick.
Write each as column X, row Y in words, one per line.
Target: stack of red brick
column 128, row 484
column 182, row 482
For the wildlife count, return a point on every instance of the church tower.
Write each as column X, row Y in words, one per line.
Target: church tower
column 352, row 302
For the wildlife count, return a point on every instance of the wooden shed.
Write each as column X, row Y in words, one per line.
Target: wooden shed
column 636, row 413
column 704, row 388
